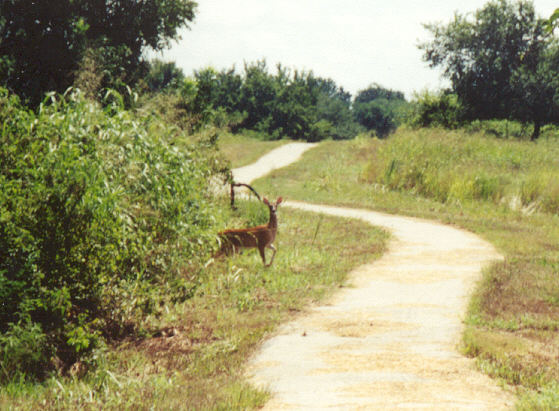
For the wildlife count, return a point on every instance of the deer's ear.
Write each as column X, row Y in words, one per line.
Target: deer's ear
column 279, row 200
column 266, row 201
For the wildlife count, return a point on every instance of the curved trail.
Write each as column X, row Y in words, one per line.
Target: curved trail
column 388, row 340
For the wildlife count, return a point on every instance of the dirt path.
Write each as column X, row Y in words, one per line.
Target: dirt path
column 387, row 340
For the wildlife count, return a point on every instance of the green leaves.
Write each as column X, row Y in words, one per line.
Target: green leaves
column 551, row 23
column 96, row 207
column 500, row 61
column 289, row 103
column 43, row 44
column 379, row 109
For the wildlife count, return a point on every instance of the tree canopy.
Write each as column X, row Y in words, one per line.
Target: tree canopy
column 377, row 108
column 290, row 103
column 501, row 62
column 42, row 43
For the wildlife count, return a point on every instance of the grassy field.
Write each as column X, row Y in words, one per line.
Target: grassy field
column 193, row 353
column 241, row 150
column 505, row 191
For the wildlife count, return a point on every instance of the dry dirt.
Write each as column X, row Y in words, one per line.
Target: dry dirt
column 388, row 340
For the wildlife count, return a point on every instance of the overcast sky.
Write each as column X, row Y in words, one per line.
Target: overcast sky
column 354, row 42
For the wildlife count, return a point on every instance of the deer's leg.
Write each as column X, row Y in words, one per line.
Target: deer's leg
column 273, row 255
column 262, row 251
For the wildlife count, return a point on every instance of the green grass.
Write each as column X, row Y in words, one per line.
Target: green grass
column 195, row 351
column 513, row 318
column 242, row 150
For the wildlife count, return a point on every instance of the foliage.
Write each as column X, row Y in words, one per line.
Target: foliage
column 436, row 109
column 502, row 129
column 290, row 103
column 551, row 23
column 163, row 75
column 377, row 92
column 43, row 43
column 379, row 109
column 335, row 113
column 501, row 63
column 96, row 207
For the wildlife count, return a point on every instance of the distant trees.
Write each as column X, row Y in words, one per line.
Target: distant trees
column 163, row 75
column 441, row 109
column 378, row 109
column 42, row 43
column 289, row 103
column 502, row 63
column 285, row 103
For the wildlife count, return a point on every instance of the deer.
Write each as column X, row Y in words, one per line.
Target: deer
column 260, row 237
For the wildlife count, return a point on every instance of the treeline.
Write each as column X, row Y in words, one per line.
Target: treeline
column 288, row 103
column 502, row 63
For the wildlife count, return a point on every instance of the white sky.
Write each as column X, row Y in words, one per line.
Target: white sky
column 354, row 42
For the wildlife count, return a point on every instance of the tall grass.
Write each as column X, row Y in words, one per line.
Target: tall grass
column 458, row 166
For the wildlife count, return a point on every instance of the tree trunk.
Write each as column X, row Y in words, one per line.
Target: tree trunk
column 537, row 129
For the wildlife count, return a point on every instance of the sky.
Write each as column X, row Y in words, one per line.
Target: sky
column 354, row 42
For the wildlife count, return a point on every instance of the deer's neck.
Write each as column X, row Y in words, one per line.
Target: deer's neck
column 273, row 223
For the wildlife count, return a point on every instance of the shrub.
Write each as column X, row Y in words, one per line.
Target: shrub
column 436, row 110
column 499, row 128
column 96, row 206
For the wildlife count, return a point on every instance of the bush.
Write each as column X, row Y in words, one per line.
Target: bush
column 499, row 128
column 95, row 206
column 436, row 110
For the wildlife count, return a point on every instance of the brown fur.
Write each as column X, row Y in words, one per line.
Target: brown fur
column 260, row 237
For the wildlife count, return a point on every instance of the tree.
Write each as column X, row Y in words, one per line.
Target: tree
column 553, row 20
column 163, row 75
column 289, row 103
column 258, row 95
column 436, row 109
column 376, row 108
column 218, row 90
column 500, row 62
column 375, row 92
column 42, row 43
column 334, row 111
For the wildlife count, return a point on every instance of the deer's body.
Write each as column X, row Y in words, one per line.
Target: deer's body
column 260, row 237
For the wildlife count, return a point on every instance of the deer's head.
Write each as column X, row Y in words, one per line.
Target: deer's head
column 273, row 206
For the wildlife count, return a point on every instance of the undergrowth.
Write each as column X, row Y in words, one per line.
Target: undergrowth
column 104, row 216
